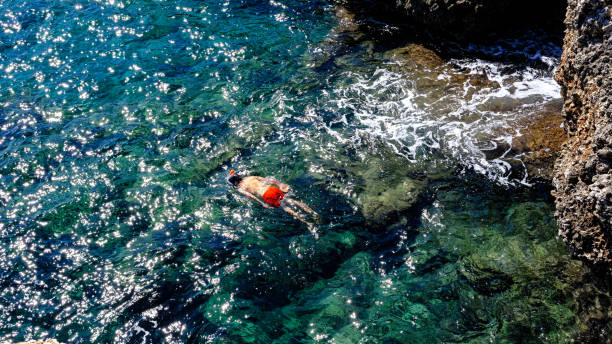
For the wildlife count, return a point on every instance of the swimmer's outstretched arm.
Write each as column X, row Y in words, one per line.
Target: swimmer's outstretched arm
column 246, row 193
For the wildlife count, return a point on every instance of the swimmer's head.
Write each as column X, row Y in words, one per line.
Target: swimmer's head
column 233, row 178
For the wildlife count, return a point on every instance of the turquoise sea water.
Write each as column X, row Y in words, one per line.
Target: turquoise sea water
column 120, row 119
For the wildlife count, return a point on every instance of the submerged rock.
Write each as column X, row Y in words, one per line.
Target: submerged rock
column 524, row 252
column 583, row 174
column 388, row 192
column 342, row 38
column 383, row 205
column 346, row 21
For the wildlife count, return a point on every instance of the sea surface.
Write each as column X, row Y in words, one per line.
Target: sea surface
column 119, row 122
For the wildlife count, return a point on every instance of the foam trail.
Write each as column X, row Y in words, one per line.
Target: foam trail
column 477, row 113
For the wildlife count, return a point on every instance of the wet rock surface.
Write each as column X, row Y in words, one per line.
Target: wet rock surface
column 536, row 139
column 540, row 142
column 583, row 175
column 415, row 57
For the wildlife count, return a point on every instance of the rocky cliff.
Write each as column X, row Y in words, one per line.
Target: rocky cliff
column 583, row 175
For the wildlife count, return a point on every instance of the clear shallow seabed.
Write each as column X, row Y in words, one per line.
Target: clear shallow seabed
column 120, row 119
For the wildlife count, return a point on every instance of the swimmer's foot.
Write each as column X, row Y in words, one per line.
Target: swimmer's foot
column 312, row 230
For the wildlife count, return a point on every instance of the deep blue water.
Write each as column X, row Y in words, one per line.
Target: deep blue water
column 120, row 119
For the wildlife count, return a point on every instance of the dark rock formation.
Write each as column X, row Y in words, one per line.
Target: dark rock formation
column 583, row 175
column 462, row 20
column 467, row 20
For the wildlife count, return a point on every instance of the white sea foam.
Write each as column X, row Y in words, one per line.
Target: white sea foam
column 462, row 122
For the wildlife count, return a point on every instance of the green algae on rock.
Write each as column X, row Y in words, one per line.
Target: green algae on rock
column 384, row 205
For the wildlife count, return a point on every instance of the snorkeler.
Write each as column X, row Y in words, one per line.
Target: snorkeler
column 270, row 193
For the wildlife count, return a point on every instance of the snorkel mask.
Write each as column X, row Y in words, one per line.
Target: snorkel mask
column 233, row 178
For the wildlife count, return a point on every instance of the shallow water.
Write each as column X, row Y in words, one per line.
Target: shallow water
column 120, row 120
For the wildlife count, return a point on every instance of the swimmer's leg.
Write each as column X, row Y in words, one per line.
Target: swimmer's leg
column 294, row 214
column 301, row 205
